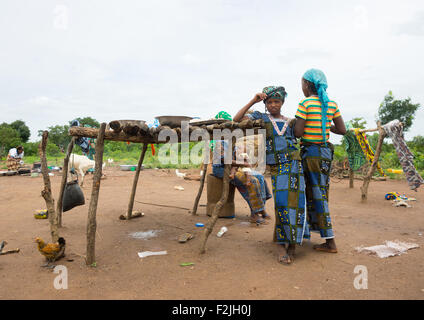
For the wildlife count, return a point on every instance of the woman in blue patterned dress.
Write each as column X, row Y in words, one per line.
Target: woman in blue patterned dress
column 288, row 184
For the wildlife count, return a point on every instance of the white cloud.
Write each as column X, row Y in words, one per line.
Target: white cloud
column 139, row 59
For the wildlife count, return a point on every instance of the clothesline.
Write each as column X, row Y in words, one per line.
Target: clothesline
column 369, row 130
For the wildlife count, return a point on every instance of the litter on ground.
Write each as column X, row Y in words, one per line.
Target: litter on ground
column 389, row 249
column 145, row 254
column 179, row 188
column 185, row 237
column 144, row 235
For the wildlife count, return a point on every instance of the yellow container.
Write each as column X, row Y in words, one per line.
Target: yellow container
column 397, row 171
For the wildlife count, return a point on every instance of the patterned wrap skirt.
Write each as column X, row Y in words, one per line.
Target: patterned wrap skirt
column 288, row 185
column 316, row 160
column 256, row 193
column 13, row 164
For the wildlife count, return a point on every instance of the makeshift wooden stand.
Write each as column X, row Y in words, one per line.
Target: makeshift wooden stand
column 134, row 132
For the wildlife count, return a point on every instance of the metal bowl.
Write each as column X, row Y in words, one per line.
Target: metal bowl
column 172, row 121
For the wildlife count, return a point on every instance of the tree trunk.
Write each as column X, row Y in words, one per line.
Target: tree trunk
column 92, row 210
column 47, row 191
column 134, row 187
column 367, row 179
column 64, row 181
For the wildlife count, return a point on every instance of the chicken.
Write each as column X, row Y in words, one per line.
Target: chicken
column 52, row 251
column 179, row 174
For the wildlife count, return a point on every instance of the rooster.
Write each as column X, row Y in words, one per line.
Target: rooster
column 52, row 251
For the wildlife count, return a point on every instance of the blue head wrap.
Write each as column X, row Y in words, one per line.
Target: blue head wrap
column 318, row 78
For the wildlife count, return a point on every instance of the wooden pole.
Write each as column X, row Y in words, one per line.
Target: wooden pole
column 64, row 180
column 367, row 179
column 202, row 183
column 134, row 187
column 199, row 193
column 92, row 210
column 46, row 193
column 220, row 204
column 351, row 177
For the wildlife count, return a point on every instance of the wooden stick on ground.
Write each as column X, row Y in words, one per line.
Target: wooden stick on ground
column 367, row 179
column 46, row 193
column 134, row 187
column 92, row 210
column 9, row 252
column 64, row 180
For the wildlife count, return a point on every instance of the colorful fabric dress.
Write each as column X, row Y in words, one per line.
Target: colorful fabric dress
column 316, row 159
column 395, row 131
column 366, row 149
column 288, row 184
column 256, row 193
column 353, row 149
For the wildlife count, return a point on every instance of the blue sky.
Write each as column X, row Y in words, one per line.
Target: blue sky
column 140, row 59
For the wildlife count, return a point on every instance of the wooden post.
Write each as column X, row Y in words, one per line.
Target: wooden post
column 134, row 187
column 367, row 179
column 199, row 193
column 46, row 193
column 202, row 183
column 92, row 210
column 220, row 204
column 63, row 182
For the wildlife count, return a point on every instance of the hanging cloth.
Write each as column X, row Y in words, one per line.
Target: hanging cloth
column 394, row 130
column 366, row 149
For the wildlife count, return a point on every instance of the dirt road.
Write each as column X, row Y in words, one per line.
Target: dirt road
column 240, row 265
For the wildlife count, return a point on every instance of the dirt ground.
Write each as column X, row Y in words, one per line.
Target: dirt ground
column 240, row 265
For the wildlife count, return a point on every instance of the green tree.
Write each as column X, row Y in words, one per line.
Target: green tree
column 58, row 135
column 358, row 123
column 53, row 150
column 9, row 138
column 22, row 129
column 403, row 110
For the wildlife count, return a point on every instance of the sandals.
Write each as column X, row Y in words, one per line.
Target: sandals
column 324, row 248
column 185, row 237
column 266, row 216
column 258, row 221
column 285, row 259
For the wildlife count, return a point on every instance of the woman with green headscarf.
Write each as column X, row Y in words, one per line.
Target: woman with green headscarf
column 283, row 158
column 313, row 124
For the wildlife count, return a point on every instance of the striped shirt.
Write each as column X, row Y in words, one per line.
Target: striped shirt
column 310, row 110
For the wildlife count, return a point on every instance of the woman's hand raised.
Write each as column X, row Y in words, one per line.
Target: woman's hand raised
column 259, row 97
